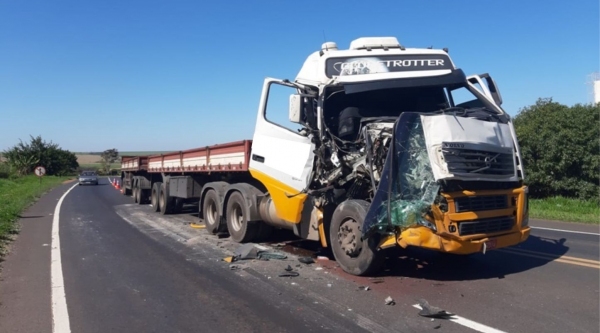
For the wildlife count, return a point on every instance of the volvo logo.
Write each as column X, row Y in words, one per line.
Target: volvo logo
column 453, row 145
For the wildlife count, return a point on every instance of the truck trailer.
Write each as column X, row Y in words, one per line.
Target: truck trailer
column 396, row 147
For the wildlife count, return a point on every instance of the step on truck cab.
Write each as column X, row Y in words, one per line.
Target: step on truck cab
column 395, row 147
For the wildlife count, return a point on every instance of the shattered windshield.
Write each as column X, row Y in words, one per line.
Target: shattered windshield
column 407, row 188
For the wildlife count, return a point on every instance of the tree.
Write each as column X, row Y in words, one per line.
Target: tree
column 108, row 157
column 561, row 149
column 24, row 157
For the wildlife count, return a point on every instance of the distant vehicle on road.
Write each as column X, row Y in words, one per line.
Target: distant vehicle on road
column 88, row 177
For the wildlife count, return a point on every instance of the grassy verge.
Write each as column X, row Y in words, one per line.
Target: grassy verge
column 563, row 209
column 18, row 194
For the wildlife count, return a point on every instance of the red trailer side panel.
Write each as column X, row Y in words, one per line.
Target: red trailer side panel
column 233, row 156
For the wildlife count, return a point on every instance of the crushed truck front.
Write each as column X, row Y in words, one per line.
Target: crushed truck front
column 408, row 151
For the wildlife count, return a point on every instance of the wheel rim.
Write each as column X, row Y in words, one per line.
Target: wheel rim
column 211, row 213
column 349, row 238
column 161, row 200
column 153, row 199
column 236, row 217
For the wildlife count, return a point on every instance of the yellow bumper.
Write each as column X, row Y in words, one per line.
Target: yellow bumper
column 426, row 238
column 447, row 238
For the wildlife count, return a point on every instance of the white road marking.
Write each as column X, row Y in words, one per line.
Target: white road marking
column 60, row 314
column 469, row 323
column 571, row 231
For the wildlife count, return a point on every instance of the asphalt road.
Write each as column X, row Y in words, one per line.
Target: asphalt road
column 127, row 269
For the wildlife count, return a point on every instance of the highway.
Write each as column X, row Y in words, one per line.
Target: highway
column 124, row 268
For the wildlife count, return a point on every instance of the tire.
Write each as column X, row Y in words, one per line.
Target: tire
column 165, row 201
column 139, row 196
column 154, row 196
column 240, row 229
column 354, row 256
column 264, row 232
column 211, row 212
column 134, row 193
column 177, row 205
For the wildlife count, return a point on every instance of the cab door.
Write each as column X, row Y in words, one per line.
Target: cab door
column 282, row 155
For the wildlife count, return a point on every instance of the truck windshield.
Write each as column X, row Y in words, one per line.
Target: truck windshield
column 408, row 187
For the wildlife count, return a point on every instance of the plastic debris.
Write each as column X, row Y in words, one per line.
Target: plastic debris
column 289, row 274
column 246, row 251
column 439, row 325
column 289, row 268
column 430, row 311
column 228, row 259
column 306, row 260
column 389, row 301
column 318, row 268
column 365, row 288
column 322, row 258
column 197, row 226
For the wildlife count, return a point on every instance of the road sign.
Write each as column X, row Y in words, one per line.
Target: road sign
column 40, row 171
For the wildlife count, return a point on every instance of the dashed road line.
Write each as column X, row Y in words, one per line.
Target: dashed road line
column 469, row 323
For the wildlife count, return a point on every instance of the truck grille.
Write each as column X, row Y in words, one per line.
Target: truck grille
column 475, row 204
column 483, row 226
column 468, row 161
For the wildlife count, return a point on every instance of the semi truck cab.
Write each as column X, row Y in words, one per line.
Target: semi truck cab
column 397, row 147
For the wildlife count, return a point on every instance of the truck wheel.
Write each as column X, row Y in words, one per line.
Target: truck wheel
column 211, row 211
column 264, row 232
column 154, row 195
column 134, row 193
column 240, row 229
column 139, row 196
column 354, row 255
column 165, row 201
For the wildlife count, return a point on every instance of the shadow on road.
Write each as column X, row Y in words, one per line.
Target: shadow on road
column 496, row 264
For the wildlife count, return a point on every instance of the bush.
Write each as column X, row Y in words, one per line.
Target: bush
column 561, row 149
column 24, row 157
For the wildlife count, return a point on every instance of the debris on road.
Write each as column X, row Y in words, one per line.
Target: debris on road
column 389, row 301
column 252, row 251
column 322, row 258
column 289, row 274
column 430, row 311
column 197, row 226
column 289, row 268
column 437, row 326
column 228, row 259
column 365, row 288
column 318, row 268
column 306, row 260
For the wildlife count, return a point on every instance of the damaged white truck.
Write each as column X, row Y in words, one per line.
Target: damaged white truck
column 397, row 147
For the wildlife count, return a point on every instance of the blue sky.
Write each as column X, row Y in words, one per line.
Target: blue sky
column 171, row 75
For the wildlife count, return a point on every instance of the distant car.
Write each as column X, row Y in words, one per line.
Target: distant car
column 88, row 177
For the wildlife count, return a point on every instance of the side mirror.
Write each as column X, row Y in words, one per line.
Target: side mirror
column 295, row 112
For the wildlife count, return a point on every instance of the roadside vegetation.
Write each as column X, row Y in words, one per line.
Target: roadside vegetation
column 19, row 187
column 16, row 194
column 561, row 154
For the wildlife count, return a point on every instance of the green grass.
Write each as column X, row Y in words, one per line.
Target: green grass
column 18, row 194
column 95, row 166
column 564, row 209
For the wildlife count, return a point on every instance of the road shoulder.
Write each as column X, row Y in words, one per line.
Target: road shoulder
column 25, row 293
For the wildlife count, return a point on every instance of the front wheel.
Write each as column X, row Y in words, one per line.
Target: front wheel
column 354, row 255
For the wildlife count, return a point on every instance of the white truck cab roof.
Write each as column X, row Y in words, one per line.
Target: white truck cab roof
column 372, row 59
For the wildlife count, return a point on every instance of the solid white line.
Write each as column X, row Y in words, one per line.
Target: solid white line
column 469, row 323
column 60, row 314
column 571, row 231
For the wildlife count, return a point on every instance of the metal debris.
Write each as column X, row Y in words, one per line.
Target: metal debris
column 389, row 301
column 432, row 311
column 306, row 260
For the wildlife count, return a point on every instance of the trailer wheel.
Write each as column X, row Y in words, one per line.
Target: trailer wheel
column 354, row 255
column 165, row 201
column 240, row 229
column 135, row 193
column 211, row 211
column 154, row 196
